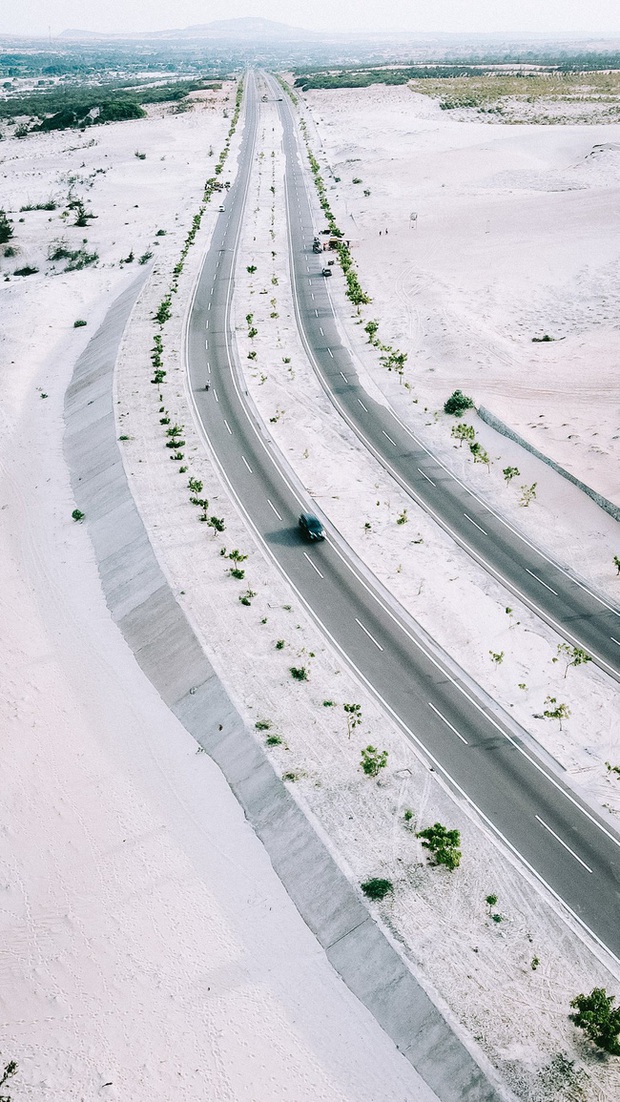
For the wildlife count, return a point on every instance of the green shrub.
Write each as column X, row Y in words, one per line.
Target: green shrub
column 79, row 322
column 298, row 673
column 377, row 889
column 77, row 514
column 457, row 403
column 599, row 1019
column 6, row 228
column 443, row 844
column 373, row 761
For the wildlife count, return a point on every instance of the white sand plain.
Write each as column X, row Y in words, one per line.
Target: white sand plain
column 516, row 237
column 148, row 949
column 104, row 762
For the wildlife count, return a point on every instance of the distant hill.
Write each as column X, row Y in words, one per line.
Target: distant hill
column 247, row 29
column 232, row 30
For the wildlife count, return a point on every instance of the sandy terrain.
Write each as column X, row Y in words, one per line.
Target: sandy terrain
column 514, row 239
column 363, row 820
column 148, row 950
column 105, row 766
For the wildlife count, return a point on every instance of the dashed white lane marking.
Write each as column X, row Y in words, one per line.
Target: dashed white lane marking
column 331, row 353
column 321, row 331
column 426, row 476
column 558, row 839
column 447, row 723
column 316, row 312
column 368, row 633
column 531, row 572
column 614, row 640
column 274, row 509
column 228, row 426
column 206, row 344
column 365, row 408
column 388, row 437
column 471, row 521
column 344, row 376
column 207, row 324
column 215, row 394
column 314, row 567
column 247, row 464
column 208, row 306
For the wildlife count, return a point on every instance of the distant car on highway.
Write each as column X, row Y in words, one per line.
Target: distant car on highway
column 221, row 208
column 311, row 527
column 327, row 271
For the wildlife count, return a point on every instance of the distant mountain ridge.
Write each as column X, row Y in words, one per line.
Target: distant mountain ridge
column 246, row 29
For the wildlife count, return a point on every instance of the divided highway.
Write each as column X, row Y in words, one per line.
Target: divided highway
column 583, row 617
column 563, row 842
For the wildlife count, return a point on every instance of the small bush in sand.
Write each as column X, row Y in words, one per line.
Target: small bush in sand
column 79, row 322
column 6, row 228
column 373, row 760
column 10, row 1070
column 599, row 1019
column 510, row 472
column 443, row 844
column 77, row 514
column 377, row 889
column 457, row 403
column 298, row 673
column 528, row 493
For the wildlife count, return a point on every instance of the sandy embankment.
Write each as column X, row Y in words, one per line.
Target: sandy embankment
column 148, row 950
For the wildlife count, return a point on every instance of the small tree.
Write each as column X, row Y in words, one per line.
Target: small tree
column 202, row 503
column 216, row 523
column 10, row 1070
column 457, row 403
column 479, row 454
column 528, row 493
column 463, row 432
column 371, row 328
column 354, row 716
column 575, row 656
column 497, row 657
column 6, row 228
column 82, row 216
column 443, row 844
column 553, row 710
column 510, row 472
column 599, row 1019
column 373, row 761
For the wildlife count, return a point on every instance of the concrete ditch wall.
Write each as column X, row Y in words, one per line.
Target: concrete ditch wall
column 499, row 426
column 164, row 644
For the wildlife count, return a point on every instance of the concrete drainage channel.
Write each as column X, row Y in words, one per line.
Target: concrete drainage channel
column 156, row 629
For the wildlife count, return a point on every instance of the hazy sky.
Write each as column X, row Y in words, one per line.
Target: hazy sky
column 53, row 16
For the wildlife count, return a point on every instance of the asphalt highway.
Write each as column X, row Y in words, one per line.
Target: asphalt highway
column 584, row 618
column 563, row 843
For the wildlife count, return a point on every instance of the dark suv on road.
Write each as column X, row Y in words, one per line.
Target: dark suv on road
column 311, row 527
